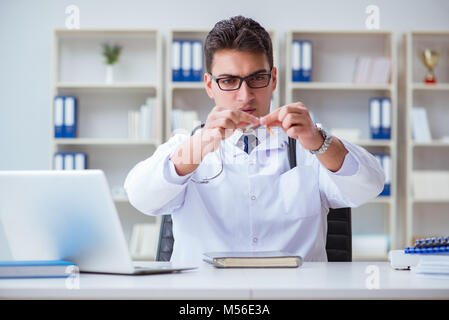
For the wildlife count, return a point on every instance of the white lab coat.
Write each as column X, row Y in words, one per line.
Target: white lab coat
column 257, row 203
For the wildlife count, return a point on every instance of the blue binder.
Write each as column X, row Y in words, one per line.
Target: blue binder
column 58, row 161
column 305, row 72
column 58, row 116
column 197, row 60
column 186, row 61
column 385, row 163
column 176, row 61
column 385, row 125
column 80, row 161
column 296, row 60
column 69, row 161
column 375, row 110
column 70, row 117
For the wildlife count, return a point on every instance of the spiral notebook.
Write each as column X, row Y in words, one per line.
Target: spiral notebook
column 435, row 245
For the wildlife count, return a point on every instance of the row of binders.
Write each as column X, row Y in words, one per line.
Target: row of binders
column 301, row 60
column 65, row 116
column 187, row 60
column 380, row 118
column 70, row 161
column 385, row 163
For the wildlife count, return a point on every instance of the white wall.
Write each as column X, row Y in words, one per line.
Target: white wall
column 25, row 47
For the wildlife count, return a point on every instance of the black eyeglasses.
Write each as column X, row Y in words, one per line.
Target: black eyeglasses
column 254, row 81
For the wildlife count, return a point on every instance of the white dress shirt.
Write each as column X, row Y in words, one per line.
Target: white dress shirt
column 257, row 203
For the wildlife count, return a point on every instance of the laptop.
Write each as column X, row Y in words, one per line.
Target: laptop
column 68, row 215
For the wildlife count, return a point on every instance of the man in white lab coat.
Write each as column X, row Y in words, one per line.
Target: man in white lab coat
column 231, row 189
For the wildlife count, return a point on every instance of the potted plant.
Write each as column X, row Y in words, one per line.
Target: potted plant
column 111, row 53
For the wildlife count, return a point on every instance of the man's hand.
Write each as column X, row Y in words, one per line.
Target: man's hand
column 221, row 124
column 296, row 122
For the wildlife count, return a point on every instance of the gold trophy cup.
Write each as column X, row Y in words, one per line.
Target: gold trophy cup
column 430, row 59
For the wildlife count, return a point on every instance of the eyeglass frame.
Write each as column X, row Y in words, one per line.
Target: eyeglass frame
column 243, row 79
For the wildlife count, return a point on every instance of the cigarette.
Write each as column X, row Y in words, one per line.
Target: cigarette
column 251, row 127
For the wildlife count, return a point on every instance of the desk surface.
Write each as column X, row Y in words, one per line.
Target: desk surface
column 313, row 280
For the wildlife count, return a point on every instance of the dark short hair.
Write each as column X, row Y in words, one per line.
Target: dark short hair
column 238, row 33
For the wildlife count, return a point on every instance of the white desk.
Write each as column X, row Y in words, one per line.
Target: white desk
column 311, row 281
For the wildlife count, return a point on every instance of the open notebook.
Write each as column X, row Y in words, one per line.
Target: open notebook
column 257, row 259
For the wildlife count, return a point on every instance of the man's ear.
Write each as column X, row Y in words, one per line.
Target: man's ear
column 274, row 78
column 208, row 85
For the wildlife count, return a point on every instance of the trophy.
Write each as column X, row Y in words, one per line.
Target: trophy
column 430, row 60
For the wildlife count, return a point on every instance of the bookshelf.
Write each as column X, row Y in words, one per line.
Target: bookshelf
column 102, row 115
column 426, row 216
column 332, row 93
column 188, row 96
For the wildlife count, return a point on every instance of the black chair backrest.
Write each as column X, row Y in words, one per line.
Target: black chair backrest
column 339, row 231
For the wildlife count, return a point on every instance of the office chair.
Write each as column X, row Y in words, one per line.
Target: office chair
column 339, row 232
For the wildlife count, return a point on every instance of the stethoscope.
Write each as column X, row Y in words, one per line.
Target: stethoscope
column 207, row 180
column 247, row 131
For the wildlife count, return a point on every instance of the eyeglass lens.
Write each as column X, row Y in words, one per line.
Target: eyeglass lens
column 234, row 83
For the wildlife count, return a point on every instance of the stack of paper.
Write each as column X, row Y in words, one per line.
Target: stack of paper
column 186, row 120
column 430, row 184
column 433, row 265
column 420, row 125
column 372, row 70
column 133, row 124
column 143, row 124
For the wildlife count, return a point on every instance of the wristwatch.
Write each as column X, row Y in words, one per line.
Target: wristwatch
column 327, row 141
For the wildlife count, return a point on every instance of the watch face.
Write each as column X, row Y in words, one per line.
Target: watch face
column 324, row 133
column 327, row 141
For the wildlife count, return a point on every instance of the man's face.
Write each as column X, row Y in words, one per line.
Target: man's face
column 231, row 62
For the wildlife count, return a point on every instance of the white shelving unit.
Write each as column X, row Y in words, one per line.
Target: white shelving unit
column 332, row 94
column 426, row 217
column 102, row 125
column 192, row 95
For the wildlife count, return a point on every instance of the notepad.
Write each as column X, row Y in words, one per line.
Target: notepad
column 256, row 259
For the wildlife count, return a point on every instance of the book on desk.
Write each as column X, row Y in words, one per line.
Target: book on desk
column 256, row 259
column 37, row 269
